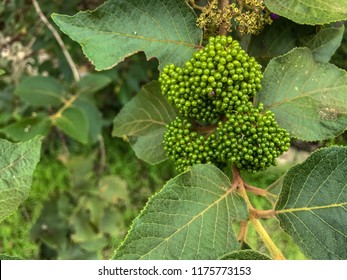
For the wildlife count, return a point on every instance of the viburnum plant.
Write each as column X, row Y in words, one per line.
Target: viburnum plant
column 215, row 109
column 238, row 80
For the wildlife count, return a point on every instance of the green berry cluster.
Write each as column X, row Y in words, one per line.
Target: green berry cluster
column 217, row 79
column 218, row 122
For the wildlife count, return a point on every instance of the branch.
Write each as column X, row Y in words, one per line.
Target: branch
column 59, row 40
column 223, row 29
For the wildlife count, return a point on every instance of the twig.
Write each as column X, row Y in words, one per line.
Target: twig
column 67, row 104
column 102, row 162
column 195, row 6
column 59, row 40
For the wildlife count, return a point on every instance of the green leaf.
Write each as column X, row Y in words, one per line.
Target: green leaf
column 17, row 164
column 150, row 147
column 325, row 43
column 92, row 83
column 308, row 98
column 74, row 122
column 313, row 12
column 245, row 255
column 41, row 91
column 2, row 72
column 94, row 118
column 28, row 128
column 277, row 39
column 143, row 120
column 165, row 29
column 312, row 207
column 190, row 218
column 283, row 35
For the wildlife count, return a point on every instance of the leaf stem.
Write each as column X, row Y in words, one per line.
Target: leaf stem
column 258, row 191
column 260, row 214
column 67, row 104
column 271, row 246
column 254, row 215
column 59, row 40
column 243, row 231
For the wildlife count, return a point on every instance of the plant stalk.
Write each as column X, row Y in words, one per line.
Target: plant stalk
column 271, row 246
column 59, row 40
column 223, row 29
column 254, row 215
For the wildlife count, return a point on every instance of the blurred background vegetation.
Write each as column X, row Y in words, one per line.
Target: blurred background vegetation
column 85, row 196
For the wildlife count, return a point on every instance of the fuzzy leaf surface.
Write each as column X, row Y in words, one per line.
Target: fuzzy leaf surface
column 312, row 207
column 165, row 29
column 190, row 218
column 313, row 12
column 17, row 164
column 308, row 98
column 143, row 120
column 245, row 255
column 325, row 43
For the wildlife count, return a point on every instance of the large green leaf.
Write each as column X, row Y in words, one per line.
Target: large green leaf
column 74, row 122
column 28, row 128
column 308, row 98
column 2, row 72
column 41, row 91
column 165, row 29
column 312, row 207
column 190, row 218
column 143, row 121
column 325, row 43
column 312, row 12
column 17, row 164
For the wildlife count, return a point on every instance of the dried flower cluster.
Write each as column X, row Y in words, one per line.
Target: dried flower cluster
column 249, row 17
